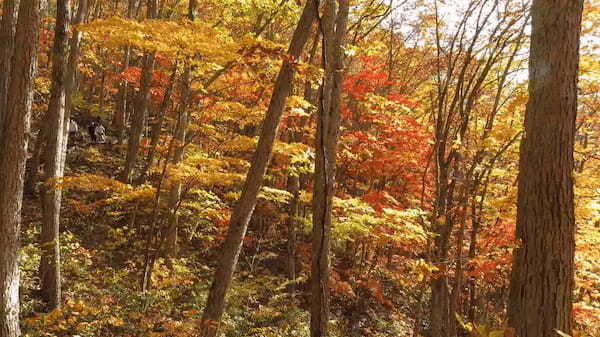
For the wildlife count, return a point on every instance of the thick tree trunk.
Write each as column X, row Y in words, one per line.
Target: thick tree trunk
column 13, row 152
column 7, row 42
column 211, row 318
column 541, row 292
column 49, row 269
column 333, row 26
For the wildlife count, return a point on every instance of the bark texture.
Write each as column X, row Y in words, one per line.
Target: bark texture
column 333, row 27
column 13, row 153
column 541, row 292
column 49, row 269
column 232, row 246
column 7, row 42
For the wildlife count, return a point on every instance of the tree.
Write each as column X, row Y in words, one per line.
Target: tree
column 254, row 180
column 542, row 281
column 333, row 27
column 7, row 39
column 13, row 152
column 53, row 164
column 142, row 105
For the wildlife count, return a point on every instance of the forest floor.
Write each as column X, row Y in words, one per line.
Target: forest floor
column 102, row 258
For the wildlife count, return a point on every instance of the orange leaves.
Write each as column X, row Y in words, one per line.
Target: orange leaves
column 374, row 288
column 380, row 200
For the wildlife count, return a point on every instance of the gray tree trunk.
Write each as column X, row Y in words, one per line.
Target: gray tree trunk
column 51, row 196
column 13, row 153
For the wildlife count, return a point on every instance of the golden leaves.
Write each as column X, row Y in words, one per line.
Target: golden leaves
column 170, row 38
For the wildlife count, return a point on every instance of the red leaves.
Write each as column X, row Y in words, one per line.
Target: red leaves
column 132, row 75
column 380, row 200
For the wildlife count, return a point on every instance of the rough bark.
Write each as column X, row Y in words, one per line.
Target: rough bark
column 7, row 41
column 51, row 196
column 333, row 27
column 541, row 291
column 13, row 152
column 211, row 317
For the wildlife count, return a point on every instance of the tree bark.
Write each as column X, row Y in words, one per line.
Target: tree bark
column 7, row 42
column 294, row 189
column 157, row 126
column 542, row 280
column 139, row 116
column 13, row 153
column 333, row 27
column 211, row 317
column 179, row 138
column 51, row 196
column 120, row 119
column 141, row 109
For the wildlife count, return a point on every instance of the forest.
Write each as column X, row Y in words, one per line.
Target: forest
column 300, row 168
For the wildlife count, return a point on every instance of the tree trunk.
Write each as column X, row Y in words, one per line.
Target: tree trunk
column 294, row 189
column 141, row 109
column 49, row 269
column 179, row 138
column 333, row 26
column 139, row 116
column 211, row 317
column 13, row 153
column 120, row 119
column 7, row 42
column 541, row 291
column 157, row 126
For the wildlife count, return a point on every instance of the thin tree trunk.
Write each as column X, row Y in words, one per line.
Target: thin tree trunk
column 157, row 127
column 294, row 189
column 179, row 138
column 333, row 27
column 141, row 109
column 13, row 152
column 139, row 116
column 211, row 317
column 120, row 117
column 542, row 277
column 51, row 196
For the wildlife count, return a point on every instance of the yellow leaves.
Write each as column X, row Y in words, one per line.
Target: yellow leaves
column 167, row 37
column 193, row 176
column 240, row 144
column 275, row 195
column 94, row 183
column 236, row 113
column 115, row 321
